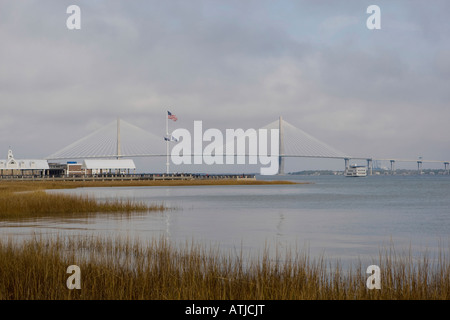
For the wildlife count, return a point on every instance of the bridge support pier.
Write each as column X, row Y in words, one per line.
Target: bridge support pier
column 370, row 166
column 280, row 147
column 419, row 167
column 346, row 164
column 392, row 167
column 280, row 165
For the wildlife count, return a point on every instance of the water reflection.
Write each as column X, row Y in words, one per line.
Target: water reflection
column 339, row 217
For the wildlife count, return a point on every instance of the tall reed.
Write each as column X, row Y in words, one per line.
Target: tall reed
column 34, row 204
column 114, row 268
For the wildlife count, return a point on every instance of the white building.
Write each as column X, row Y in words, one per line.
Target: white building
column 12, row 166
column 108, row 166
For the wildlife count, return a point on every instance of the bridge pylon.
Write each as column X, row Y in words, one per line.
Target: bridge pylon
column 280, row 147
column 392, row 167
column 370, row 166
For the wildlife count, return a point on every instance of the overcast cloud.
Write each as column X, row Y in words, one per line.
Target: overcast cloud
column 232, row 64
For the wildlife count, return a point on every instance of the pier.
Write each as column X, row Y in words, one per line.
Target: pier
column 133, row 177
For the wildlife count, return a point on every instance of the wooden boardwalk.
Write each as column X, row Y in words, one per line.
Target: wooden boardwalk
column 131, row 177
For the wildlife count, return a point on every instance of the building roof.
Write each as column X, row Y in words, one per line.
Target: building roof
column 108, row 164
column 28, row 164
column 22, row 164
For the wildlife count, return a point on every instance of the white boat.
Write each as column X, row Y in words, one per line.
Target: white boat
column 355, row 171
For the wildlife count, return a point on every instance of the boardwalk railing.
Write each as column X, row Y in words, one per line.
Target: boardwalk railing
column 128, row 177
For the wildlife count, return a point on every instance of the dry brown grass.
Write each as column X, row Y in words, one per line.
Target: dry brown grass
column 27, row 199
column 39, row 204
column 115, row 269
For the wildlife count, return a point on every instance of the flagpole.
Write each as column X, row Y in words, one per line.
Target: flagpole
column 167, row 142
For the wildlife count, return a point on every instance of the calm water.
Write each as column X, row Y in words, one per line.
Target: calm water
column 345, row 218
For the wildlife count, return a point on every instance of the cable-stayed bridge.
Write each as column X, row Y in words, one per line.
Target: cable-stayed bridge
column 121, row 139
column 115, row 140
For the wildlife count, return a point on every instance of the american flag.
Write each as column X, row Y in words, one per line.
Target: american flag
column 170, row 138
column 171, row 116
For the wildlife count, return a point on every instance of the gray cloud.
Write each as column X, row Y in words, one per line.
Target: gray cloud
column 232, row 64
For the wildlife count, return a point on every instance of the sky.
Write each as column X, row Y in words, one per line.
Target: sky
column 232, row 64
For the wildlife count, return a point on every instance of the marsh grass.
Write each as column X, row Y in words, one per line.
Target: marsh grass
column 119, row 269
column 28, row 199
column 33, row 204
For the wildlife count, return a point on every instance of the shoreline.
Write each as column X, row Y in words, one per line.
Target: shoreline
column 28, row 199
column 27, row 185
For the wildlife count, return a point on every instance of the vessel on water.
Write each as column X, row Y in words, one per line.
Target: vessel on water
column 355, row 171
